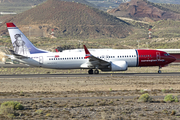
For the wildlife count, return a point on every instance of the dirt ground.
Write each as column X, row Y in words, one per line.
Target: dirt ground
column 89, row 83
column 91, row 108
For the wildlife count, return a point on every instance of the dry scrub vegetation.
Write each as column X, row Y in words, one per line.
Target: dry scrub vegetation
column 96, row 109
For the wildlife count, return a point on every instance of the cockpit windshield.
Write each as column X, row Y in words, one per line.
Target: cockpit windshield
column 166, row 54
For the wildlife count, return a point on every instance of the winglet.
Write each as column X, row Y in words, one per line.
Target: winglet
column 88, row 54
column 57, row 50
column 10, row 25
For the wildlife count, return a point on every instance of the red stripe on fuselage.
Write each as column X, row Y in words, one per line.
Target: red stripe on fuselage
column 153, row 58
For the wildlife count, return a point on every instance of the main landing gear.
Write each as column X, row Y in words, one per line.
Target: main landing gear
column 159, row 71
column 95, row 71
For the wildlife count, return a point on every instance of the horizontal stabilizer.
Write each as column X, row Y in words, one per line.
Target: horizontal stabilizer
column 17, row 55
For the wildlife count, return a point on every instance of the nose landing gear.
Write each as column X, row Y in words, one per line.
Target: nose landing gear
column 159, row 71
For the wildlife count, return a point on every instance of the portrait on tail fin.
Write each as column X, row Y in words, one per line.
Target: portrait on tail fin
column 19, row 45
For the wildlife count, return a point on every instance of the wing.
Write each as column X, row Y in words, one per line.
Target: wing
column 94, row 60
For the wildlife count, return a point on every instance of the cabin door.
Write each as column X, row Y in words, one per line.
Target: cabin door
column 40, row 59
column 158, row 55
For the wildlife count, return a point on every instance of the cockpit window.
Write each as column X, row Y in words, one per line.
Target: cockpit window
column 166, row 54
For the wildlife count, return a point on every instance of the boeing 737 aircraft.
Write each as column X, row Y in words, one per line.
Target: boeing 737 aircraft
column 103, row 59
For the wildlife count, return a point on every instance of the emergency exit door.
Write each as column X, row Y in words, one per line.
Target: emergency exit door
column 40, row 59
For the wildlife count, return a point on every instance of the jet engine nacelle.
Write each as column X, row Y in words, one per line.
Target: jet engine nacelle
column 119, row 66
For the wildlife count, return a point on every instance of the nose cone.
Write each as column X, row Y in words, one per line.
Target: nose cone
column 171, row 59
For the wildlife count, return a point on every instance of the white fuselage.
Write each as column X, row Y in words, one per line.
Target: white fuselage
column 74, row 59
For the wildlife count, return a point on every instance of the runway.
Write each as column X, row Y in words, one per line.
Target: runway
column 87, row 75
column 73, row 98
column 15, row 66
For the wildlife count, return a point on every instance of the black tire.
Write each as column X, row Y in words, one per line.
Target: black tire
column 96, row 72
column 90, row 71
column 159, row 71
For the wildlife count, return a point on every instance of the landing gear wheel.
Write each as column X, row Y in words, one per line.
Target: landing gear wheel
column 96, row 72
column 159, row 71
column 90, row 71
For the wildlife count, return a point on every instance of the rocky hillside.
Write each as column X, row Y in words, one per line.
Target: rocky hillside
column 166, row 1
column 20, row 6
column 22, row 1
column 144, row 8
column 69, row 19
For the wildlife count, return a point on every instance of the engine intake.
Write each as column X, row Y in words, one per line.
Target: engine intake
column 119, row 66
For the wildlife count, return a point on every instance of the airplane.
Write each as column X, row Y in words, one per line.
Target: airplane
column 94, row 59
